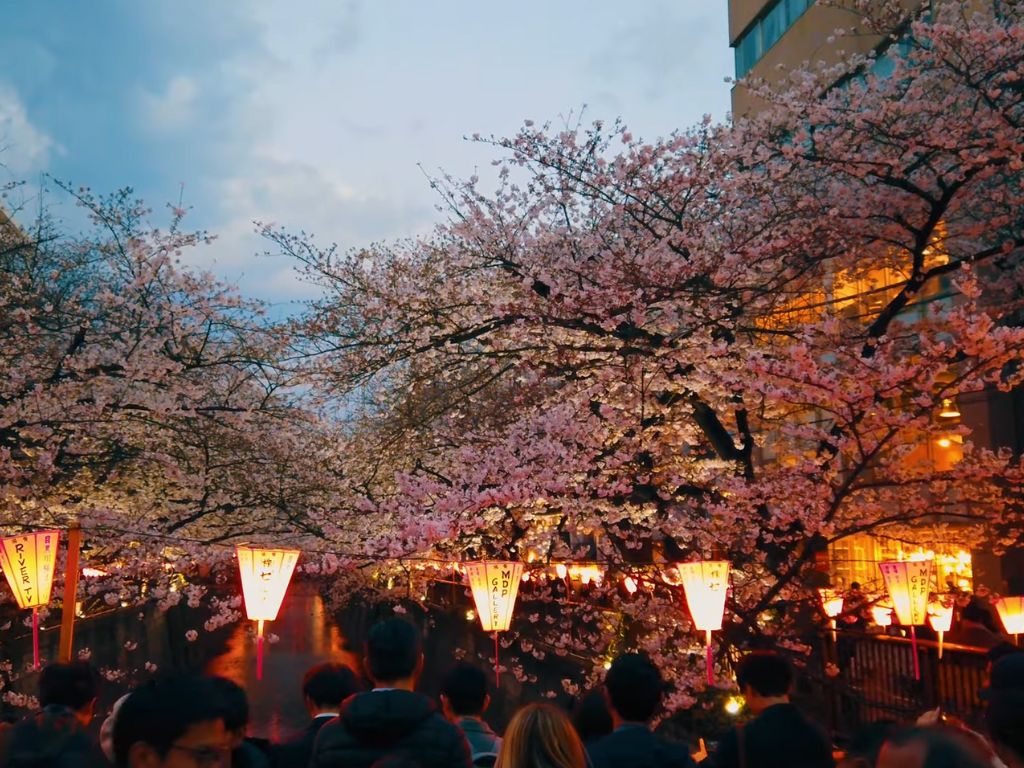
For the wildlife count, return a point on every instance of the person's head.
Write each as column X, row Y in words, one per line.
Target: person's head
column 998, row 651
column 591, row 717
column 866, row 743
column 634, row 688
column 464, row 692
column 976, row 613
column 764, row 678
column 1004, row 716
column 74, row 686
column 394, row 654
column 236, row 709
column 172, row 723
column 541, row 735
column 855, row 586
column 931, row 748
column 326, row 685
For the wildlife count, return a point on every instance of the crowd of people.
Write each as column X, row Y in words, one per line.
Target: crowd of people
column 202, row 722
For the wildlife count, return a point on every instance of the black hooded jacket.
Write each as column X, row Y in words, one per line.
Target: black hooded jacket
column 378, row 723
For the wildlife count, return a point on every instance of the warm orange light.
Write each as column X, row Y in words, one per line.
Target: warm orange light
column 495, row 586
column 28, row 561
column 94, row 573
column 944, row 442
column 705, row 585
column 949, row 410
column 266, row 574
column 1011, row 613
column 908, row 583
column 630, row 584
column 940, row 616
column 561, row 571
column 882, row 615
column 831, row 602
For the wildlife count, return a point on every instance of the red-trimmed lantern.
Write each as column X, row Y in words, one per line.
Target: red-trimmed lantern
column 832, row 604
column 940, row 616
column 1011, row 613
column 265, row 574
column 705, row 584
column 908, row 583
column 495, row 585
column 28, row 561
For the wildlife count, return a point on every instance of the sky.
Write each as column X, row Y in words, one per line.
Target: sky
column 328, row 115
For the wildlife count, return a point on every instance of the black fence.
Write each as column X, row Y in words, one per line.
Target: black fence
column 869, row 677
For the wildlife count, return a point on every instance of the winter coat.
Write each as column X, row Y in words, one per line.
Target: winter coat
column 389, row 722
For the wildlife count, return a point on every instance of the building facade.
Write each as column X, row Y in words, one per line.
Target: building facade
column 770, row 38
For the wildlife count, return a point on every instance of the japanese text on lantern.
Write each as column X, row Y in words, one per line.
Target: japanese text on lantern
column 705, row 585
column 908, row 583
column 28, row 562
column 265, row 576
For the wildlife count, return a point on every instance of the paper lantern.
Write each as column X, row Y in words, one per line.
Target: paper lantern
column 882, row 615
column 908, row 583
column 705, row 584
column 28, row 561
column 495, row 585
column 266, row 574
column 940, row 616
column 1011, row 613
column 832, row 604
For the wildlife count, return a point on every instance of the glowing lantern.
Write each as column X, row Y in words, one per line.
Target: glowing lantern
column 266, row 574
column 28, row 561
column 561, row 571
column 705, row 585
column 940, row 616
column 908, row 583
column 1011, row 613
column 495, row 585
column 832, row 605
column 630, row 584
column 882, row 615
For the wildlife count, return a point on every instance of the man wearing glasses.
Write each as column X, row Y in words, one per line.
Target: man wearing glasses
column 175, row 723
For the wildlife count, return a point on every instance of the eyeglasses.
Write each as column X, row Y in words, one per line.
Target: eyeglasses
column 208, row 757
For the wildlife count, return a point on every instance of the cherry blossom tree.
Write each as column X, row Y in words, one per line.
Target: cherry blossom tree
column 732, row 342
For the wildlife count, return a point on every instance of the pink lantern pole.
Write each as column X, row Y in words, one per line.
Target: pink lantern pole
column 705, row 584
column 265, row 574
column 908, row 583
column 495, row 585
column 28, row 561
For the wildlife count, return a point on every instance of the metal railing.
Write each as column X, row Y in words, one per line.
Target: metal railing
column 871, row 678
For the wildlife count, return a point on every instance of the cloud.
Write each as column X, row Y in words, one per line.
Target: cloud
column 23, row 147
column 298, row 196
column 171, row 111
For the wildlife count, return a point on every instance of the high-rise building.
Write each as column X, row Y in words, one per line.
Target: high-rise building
column 771, row 38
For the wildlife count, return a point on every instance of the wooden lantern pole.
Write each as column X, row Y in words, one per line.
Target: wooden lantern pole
column 71, row 573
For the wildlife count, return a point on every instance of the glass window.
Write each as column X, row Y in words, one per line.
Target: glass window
column 795, row 9
column 773, row 25
column 748, row 50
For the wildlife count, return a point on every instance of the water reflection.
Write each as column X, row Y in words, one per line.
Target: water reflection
column 308, row 636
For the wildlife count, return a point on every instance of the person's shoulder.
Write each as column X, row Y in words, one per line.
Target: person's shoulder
column 637, row 746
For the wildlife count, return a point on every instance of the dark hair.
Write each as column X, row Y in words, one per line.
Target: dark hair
column 160, row 712
column 393, row 649
column 634, row 686
column 767, row 672
column 976, row 611
column 591, row 717
column 397, row 760
column 328, row 684
column 68, row 685
column 236, row 703
column 1004, row 720
column 867, row 740
column 465, row 687
column 942, row 747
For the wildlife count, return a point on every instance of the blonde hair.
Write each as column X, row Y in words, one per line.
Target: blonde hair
column 541, row 736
